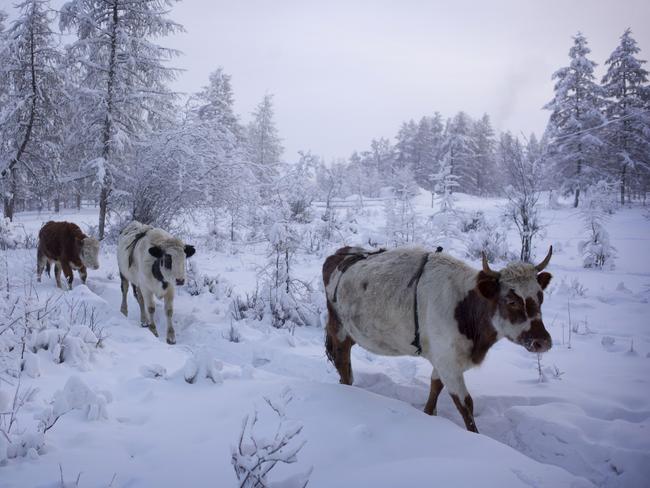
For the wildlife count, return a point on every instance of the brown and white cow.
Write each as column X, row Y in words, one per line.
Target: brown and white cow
column 153, row 261
column 409, row 302
column 65, row 245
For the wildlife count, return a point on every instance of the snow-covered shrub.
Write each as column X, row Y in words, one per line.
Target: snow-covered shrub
column 257, row 453
column 9, row 234
column 250, row 306
column 289, row 299
column 483, row 236
column 202, row 366
column 199, row 283
column 597, row 250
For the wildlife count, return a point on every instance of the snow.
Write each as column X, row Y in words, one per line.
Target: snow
column 137, row 412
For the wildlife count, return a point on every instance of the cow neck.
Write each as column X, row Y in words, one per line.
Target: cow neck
column 155, row 270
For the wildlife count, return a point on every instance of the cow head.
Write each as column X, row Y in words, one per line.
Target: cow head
column 170, row 257
column 518, row 290
column 89, row 253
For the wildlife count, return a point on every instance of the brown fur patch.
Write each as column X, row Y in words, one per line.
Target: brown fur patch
column 532, row 309
column 338, row 352
column 332, row 262
column 61, row 242
column 432, row 402
column 474, row 317
column 487, row 285
column 512, row 308
column 466, row 409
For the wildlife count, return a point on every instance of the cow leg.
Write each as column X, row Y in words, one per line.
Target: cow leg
column 83, row 273
column 137, row 293
column 57, row 274
column 455, row 384
column 151, row 309
column 67, row 272
column 169, row 311
column 436, row 388
column 41, row 262
column 124, row 286
column 338, row 351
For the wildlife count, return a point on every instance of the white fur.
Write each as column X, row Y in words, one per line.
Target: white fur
column 140, row 272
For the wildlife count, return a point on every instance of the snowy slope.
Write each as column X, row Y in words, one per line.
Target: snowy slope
column 587, row 423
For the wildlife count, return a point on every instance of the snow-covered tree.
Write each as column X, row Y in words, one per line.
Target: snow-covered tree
column 399, row 211
column 428, row 146
column 597, row 250
column 523, row 171
column 264, row 143
column 457, row 150
column 576, row 116
column 123, row 77
column 32, row 96
column 628, row 129
column 482, row 175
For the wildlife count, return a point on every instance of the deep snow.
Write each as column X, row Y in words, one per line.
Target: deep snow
column 141, row 424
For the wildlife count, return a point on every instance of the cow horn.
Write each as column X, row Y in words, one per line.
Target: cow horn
column 546, row 260
column 486, row 267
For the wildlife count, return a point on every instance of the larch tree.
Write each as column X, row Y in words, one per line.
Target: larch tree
column 123, row 82
column 575, row 120
column 428, row 145
column 32, row 94
column 626, row 107
column 264, row 144
column 483, row 158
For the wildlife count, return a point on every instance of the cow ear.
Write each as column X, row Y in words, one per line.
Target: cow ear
column 488, row 286
column 156, row 252
column 189, row 251
column 544, row 279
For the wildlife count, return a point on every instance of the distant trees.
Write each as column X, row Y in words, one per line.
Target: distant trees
column 264, row 144
column 627, row 101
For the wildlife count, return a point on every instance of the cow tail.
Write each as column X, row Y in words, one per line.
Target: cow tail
column 331, row 331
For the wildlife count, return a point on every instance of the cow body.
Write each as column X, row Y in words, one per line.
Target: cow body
column 68, row 248
column 153, row 261
column 461, row 313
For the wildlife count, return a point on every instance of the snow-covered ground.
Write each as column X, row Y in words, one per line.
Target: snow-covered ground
column 136, row 422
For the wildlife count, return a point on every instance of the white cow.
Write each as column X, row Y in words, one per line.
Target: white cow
column 410, row 301
column 153, row 261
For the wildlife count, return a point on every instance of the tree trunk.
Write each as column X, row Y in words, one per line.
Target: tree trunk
column 103, row 205
column 623, row 184
column 577, row 198
column 78, row 201
column 57, row 204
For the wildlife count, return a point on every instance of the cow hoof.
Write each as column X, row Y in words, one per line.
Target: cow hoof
column 124, row 312
column 153, row 330
column 171, row 340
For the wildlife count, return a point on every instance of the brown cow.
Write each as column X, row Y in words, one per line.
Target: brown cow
column 69, row 248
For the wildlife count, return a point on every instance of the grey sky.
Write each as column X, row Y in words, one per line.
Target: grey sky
column 345, row 71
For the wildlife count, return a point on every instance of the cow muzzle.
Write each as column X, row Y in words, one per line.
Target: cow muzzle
column 180, row 282
column 536, row 339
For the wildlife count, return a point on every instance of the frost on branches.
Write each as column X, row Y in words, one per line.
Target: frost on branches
column 597, row 250
column 261, row 448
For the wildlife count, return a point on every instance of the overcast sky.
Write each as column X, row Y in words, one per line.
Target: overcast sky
column 345, row 71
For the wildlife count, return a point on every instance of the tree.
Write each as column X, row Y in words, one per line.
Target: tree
column 482, row 175
column 123, row 82
column 457, row 148
column 628, row 130
column 575, row 142
column 597, row 251
column 265, row 146
column 523, row 170
column 30, row 121
column 429, row 140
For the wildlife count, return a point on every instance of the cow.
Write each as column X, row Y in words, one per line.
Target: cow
column 412, row 302
column 65, row 245
column 153, row 261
